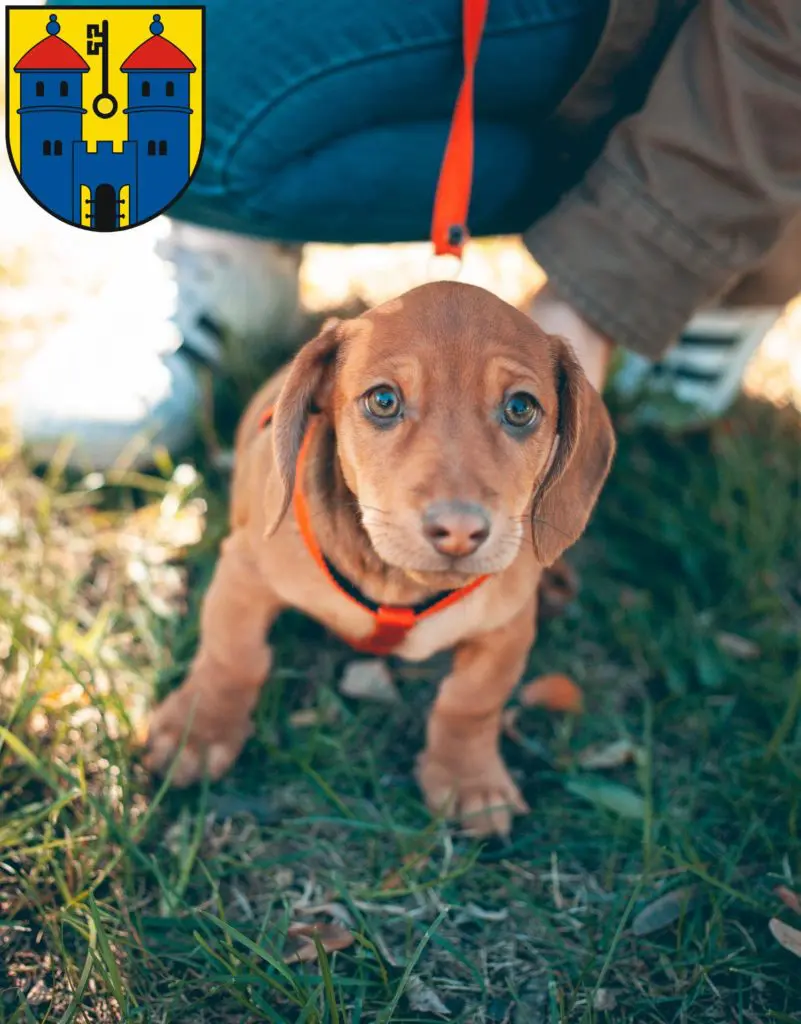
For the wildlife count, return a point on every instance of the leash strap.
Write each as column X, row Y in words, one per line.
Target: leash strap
column 452, row 200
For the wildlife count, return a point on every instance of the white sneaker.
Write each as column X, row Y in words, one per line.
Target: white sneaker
column 231, row 289
column 119, row 378
column 700, row 378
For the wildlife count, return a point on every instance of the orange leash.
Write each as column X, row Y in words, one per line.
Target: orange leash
column 452, row 201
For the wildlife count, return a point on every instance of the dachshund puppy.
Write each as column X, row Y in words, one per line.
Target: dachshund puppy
column 403, row 481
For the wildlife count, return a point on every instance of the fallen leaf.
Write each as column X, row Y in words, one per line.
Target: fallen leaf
column 787, row 937
column 665, row 910
column 398, row 879
column 423, row 999
column 369, row 680
column 789, row 898
column 610, row 795
column 738, row 646
column 613, row 755
column 555, row 692
column 604, row 1001
column 394, row 880
column 330, row 936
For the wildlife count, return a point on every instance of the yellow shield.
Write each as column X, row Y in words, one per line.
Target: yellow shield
column 104, row 109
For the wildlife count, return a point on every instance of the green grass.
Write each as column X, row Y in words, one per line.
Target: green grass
column 122, row 901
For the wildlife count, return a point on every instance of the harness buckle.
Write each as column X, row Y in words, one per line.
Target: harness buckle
column 392, row 626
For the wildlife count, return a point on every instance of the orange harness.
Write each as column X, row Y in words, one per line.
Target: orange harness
column 391, row 623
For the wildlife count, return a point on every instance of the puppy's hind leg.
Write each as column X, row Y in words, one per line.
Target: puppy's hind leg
column 206, row 721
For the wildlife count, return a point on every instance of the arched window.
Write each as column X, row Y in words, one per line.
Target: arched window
column 40, row 88
column 170, row 88
column 151, row 148
column 145, row 88
column 64, row 89
column 162, row 148
column 57, row 151
column 46, row 148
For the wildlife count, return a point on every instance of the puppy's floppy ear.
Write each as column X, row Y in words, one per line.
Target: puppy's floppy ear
column 586, row 445
column 306, row 390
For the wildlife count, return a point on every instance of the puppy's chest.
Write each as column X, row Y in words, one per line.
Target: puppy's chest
column 302, row 584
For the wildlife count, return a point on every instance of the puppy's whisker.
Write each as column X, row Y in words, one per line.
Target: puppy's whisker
column 509, row 543
column 354, row 504
column 383, row 525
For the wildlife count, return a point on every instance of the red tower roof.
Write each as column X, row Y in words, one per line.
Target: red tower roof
column 51, row 54
column 157, row 54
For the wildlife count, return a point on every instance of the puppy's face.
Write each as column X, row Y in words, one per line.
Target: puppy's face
column 454, row 417
column 446, row 415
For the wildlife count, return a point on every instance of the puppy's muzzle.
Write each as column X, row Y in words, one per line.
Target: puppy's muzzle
column 455, row 528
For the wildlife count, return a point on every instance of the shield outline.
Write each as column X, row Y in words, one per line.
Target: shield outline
column 201, row 8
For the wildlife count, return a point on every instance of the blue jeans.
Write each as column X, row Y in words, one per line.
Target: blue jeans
column 326, row 120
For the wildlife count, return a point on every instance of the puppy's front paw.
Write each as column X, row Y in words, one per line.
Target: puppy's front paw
column 483, row 798
column 196, row 735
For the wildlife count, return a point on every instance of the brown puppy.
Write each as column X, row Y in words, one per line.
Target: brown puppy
column 446, row 445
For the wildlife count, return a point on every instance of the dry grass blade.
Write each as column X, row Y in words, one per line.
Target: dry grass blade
column 330, row 936
column 307, row 718
column 738, row 647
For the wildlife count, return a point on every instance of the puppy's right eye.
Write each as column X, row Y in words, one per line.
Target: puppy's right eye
column 521, row 410
column 383, row 403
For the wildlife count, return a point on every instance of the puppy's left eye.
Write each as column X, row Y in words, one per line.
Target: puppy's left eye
column 521, row 410
column 383, row 403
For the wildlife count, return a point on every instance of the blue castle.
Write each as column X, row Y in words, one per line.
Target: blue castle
column 56, row 165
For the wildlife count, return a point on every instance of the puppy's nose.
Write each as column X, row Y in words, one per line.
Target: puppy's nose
column 456, row 528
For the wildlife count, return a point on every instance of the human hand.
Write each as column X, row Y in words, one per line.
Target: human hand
column 593, row 349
